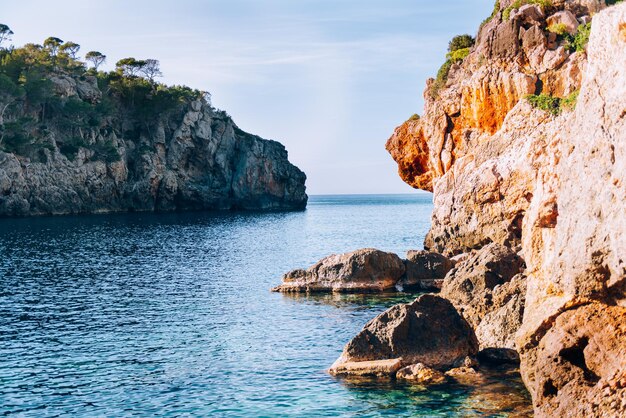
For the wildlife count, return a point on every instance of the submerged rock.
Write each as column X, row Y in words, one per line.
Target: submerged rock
column 365, row 270
column 375, row 368
column 428, row 331
column 421, row 374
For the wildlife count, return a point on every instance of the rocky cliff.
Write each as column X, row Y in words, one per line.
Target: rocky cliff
column 78, row 141
column 523, row 144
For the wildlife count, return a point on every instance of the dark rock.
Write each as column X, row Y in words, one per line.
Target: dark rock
column 365, row 270
column 425, row 270
column 428, row 331
column 498, row 356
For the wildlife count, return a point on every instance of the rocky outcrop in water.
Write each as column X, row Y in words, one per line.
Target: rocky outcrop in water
column 545, row 175
column 363, row 270
column 428, row 331
column 369, row 270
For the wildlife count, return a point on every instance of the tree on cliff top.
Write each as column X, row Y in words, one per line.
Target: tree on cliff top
column 5, row 33
column 96, row 58
column 52, row 44
column 129, row 67
column 70, row 48
column 151, row 69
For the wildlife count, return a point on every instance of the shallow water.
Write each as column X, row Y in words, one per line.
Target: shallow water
column 171, row 314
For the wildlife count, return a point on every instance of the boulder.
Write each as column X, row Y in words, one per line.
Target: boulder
column 470, row 284
column 377, row 368
column 564, row 17
column 428, row 331
column 528, row 14
column 425, row 270
column 365, row 270
column 421, row 374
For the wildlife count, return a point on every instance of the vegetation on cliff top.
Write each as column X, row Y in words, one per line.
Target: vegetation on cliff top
column 35, row 105
column 458, row 49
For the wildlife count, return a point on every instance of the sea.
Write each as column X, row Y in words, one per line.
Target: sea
column 171, row 314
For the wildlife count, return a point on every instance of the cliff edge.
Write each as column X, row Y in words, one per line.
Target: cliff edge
column 523, row 144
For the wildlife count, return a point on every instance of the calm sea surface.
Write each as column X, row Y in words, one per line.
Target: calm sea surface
column 171, row 314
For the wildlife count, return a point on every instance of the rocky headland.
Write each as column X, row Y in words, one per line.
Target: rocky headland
column 78, row 140
column 522, row 142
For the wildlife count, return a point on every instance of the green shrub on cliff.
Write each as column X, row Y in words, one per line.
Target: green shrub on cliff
column 458, row 55
column 558, row 28
column 551, row 104
column 578, row 42
column 458, row 49
column 461, row 42
column 441, row 79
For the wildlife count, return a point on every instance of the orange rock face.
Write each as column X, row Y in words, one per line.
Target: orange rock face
column 409, row 149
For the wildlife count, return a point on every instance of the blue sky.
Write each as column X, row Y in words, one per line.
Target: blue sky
column 330, row 79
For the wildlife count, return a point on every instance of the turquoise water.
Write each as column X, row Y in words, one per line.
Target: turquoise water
column 171, row 314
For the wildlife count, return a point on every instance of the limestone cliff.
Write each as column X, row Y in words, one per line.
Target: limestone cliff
column 109, row 143
column 544, row 178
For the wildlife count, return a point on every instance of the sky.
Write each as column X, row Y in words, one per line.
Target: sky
column 330, row 79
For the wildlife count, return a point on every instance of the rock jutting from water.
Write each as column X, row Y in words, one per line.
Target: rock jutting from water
column 428, row 330
column 522, row 144
column 369, row 270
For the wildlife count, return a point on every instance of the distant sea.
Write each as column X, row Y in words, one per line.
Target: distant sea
column 171, row 314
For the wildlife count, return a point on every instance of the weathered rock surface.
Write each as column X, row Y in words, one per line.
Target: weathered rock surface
column 471, row 283
column 190, row 158
column 425, row 270
column 365, row 270
column 579, row 366
column 428, row 331
column 576, row 264
column 498, row 328
column 474, row 147
column 507, row 173
column 421, row 374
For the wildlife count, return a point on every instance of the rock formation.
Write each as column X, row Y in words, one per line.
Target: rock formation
column 99, row 152
column 428, row 331
column 369, row 270
column 546, row 176
column 359, row 271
